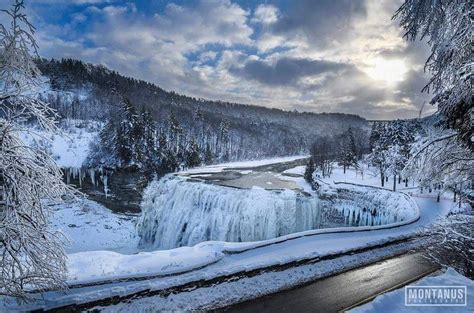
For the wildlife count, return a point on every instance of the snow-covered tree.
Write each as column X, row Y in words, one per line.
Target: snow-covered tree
column 309, row 170
column 447, row 24
column 379, row 146
column 348, row 150
column 324, row 152
column 208, row 154
column 444, row 156
column 31, row 254
column 391, row 143
column 193, row 156
column 450, row 243
column 437, row 159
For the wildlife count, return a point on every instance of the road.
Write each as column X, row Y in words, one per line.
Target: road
column 342, row 291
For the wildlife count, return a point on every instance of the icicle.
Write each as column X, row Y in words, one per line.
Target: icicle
column 92, row 175
column 106, row 187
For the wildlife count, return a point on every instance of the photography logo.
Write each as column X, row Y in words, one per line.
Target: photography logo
column 435, row 296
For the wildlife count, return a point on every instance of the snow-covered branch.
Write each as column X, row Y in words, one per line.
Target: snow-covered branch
column 31, row 255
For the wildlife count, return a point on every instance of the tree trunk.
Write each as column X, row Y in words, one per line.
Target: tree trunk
column 394, row 182
column 399, row 179
column 406, row 182
column 344, row 166
column 382, row 178
column 386, row 178
column 438, row 198
column 454, row 197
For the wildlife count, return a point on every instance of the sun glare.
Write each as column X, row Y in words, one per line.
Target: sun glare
column 387, row 71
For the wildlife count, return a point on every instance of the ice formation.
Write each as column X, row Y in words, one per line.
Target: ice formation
column 365, row 206
column 179, row 212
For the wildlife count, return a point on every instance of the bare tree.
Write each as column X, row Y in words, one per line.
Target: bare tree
column 31, row 255
column 450, row 242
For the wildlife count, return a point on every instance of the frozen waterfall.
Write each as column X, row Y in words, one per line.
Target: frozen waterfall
column 179, row 212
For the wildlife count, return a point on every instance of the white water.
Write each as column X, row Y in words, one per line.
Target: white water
column 177, row 212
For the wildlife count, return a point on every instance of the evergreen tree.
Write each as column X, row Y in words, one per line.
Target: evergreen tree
column 379, row 146
column 208, row 154
column 348, row 150
column 308, row 173
column 127, row 133
column 193, row 157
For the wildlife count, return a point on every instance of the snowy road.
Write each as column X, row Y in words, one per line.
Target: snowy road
column 341, row 291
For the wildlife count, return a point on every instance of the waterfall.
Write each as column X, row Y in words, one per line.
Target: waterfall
column 179, row 212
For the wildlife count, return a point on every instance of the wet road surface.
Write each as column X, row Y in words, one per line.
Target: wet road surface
column 342, row 291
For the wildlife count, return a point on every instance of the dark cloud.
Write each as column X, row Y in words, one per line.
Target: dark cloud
column 322, row 20
column 287, row 71
column 416, row 52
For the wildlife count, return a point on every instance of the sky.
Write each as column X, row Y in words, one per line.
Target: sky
column 307, row 55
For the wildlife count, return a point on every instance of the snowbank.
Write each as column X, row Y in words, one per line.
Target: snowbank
column 395, row 301
column 93, row 266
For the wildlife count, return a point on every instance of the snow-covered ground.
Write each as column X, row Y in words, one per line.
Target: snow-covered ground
column 394, row 301
column 90, row 226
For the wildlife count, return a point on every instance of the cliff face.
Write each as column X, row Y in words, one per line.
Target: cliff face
column 119, row 190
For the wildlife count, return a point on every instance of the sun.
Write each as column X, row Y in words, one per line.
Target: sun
column 389, row 72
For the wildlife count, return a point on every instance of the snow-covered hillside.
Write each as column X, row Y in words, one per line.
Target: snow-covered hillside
column 71, row 146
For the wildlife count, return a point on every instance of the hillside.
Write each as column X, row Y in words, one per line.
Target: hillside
column 90, row 92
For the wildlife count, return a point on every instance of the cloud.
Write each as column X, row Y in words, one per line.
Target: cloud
column 265, row 14
column 308, row 55
column 321, row 21
column 287, row 71
column 72, row 2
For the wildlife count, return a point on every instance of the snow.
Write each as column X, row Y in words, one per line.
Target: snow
column 98, row 265
column 69, row 148
column 90, row 226
column 394, row 301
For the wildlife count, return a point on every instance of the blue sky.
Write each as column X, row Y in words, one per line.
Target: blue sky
column 321, row 56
